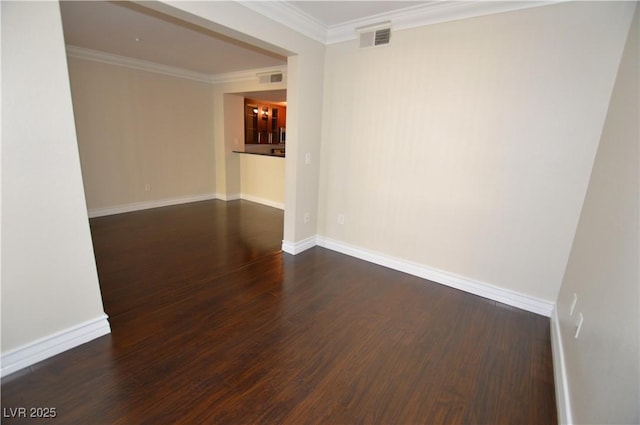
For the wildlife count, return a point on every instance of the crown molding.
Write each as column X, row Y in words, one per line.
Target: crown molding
column 290, row 16
column 139, row 64
column 251, row 74
column 430, row 13
column 142, row 65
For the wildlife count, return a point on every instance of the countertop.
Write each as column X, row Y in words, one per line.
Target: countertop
column 279, row 155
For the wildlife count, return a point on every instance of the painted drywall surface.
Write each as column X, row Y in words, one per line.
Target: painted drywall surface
column 231, row 113
column 262, row 178
column 49, row 278
column 305, row 79
column 602, row 363
column 234, row 139
column 138, row 128
column 304, row 108
column 467, row 146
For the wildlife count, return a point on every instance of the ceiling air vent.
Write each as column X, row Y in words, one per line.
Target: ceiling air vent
column 270, row 77
column 375, row 35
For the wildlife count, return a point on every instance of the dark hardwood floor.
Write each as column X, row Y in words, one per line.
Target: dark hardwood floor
column 211, row 324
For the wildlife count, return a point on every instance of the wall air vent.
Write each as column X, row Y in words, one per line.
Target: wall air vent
column 375, row 35
column 270, row 77
column 275, row 78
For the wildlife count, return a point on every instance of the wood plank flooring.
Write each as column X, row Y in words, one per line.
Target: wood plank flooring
column 211, row 324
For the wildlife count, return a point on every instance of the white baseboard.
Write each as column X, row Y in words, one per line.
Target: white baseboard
column 483, row 289
column 563, row 403
column 138, row 206
column 51, row 345
column 228, row 197
column 298, row 247
column 263, row 201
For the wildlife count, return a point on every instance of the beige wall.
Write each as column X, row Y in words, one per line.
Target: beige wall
column 467, row 146
column 227, row 163
column 49, row 279
column 137, row 128
column 262, row 179
column 602, row 364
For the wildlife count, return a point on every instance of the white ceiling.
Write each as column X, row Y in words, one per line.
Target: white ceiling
column 331, row 13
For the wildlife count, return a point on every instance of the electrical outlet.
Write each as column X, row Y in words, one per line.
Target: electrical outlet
column 578, row 325
column 307, row 217
column 340, row 218
column 574, row 301
column 307, row 158
column 147, row 187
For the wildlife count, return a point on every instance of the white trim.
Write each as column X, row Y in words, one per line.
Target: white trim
column 295, row 248
column 429, row 14
column 139, row 64
column 410, row 17
column 145, row 205
column 250, row 75
column 483, row 289
column 142, row 65
column 53, row 344
column 288, row 15
column 228, row 197
column 563, row 403
column 263, row 201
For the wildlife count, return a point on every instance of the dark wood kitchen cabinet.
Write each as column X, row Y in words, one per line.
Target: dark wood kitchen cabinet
column 264, row 123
